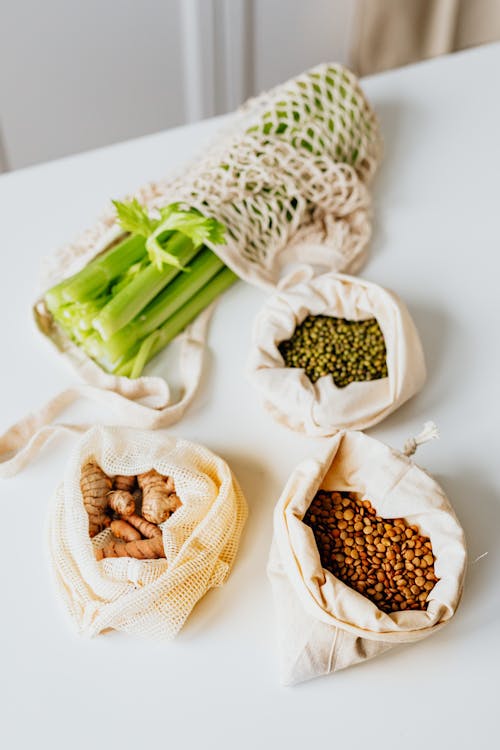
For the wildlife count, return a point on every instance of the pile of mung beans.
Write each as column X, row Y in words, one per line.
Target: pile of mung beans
column 386, row 560
column 348, row 350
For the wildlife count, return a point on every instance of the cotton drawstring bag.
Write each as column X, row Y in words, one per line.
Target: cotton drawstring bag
column 146, row 597
column 323, row 625
column 289, row 180
column 322, row 408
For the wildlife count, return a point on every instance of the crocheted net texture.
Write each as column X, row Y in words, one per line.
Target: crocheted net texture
column 291, row 173
column 146, row 597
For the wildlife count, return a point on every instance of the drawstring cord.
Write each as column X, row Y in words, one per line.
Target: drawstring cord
column 430, row 432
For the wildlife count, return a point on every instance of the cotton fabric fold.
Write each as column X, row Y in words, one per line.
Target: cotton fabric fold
column 321, row 408
column 150, row 598
column 323, row 624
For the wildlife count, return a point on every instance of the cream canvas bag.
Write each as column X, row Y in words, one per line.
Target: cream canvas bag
column 323, row 625
column 146, row 597
column 288, row 178
column 321, row 408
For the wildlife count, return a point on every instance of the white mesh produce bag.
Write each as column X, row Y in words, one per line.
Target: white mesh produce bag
column 146, row 597
column 324, row 625
column 288, row 178
column 322, row 408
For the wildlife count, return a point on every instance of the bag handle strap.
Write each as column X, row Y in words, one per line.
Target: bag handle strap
column 144, row 403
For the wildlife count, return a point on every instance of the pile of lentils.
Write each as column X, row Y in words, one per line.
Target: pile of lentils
column 387, row 561
column 348, row 350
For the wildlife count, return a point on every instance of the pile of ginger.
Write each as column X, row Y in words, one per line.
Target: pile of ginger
column 132, row 507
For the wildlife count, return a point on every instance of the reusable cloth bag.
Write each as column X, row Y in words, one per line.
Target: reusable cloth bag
column 321, row 408
column 323, row 624
column 146, row 597
column 288, row 178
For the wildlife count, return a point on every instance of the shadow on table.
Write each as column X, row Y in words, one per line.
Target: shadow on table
column 246, row 578
column 434, row 327
column 396, row 119
column 477, row 505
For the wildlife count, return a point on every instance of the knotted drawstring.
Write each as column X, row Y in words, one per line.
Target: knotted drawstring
column 430, row 432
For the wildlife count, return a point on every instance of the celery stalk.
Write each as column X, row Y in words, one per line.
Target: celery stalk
column 123, row 307
column 144, row 354
column 136, row 296
column 204, row 267
column 179, row 320
column 94, row 279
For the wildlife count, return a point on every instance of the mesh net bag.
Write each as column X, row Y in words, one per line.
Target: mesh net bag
column 321, row 408
column 324, row 625
column 146, row 597
column 288, row 178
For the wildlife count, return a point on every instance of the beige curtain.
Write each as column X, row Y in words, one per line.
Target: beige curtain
column 391, row 33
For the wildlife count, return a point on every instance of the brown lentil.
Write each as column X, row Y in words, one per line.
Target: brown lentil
column 372, row 554
column 348, row 350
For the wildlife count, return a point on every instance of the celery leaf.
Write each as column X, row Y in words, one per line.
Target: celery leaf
column 160, row 257
column 192, row 223
column 134, row 218
column 189, row 222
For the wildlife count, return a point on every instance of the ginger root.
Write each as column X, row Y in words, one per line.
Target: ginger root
column 147, row 529
column 174, row 502
column 158, row 496
column 135, row 535
column 122, row 482
column 122, row 502
column 145, row 549
column 123, row 530
column 95, row 486
column 169, row 484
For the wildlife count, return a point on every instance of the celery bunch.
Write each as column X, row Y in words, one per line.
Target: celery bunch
column 133, row 299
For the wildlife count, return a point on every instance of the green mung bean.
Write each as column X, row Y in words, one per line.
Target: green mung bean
column 348, row 350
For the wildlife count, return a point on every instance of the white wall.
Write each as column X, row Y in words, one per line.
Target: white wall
column 293, row 35
column 78, row 74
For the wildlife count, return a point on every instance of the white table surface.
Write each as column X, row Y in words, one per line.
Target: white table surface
column 436, row 242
